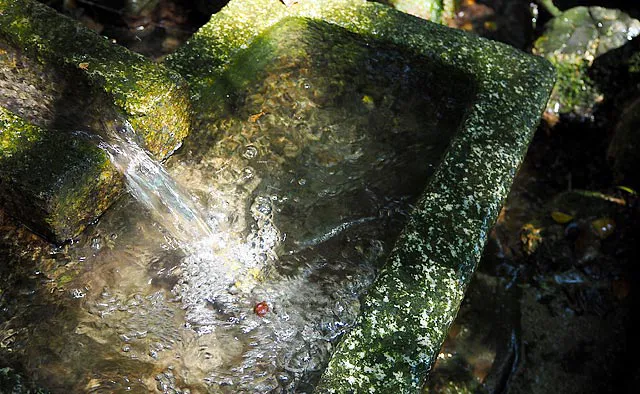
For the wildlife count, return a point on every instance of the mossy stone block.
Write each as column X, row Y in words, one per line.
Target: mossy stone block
column 153, row 98
column 53, row 181
column 407, row 311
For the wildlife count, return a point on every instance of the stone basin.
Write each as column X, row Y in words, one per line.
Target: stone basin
column 448, row 114
column 408, row 309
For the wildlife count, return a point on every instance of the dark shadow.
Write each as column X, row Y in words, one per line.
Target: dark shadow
column 153, row 28
column 613, row 74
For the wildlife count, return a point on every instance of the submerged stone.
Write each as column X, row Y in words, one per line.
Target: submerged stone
column 571, row 42
column 408, row 309
column 152, row 98
column 53, row 181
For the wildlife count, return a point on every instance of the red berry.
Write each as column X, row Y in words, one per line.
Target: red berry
column 261, row 309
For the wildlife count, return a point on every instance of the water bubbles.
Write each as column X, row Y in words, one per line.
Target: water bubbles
column 96, row 243
column 262, row 206
column 247, row 174
column 250, row 152
column 167, row 384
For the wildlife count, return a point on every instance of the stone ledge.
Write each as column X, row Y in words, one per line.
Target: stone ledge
column 54, row 182
column 154, row 99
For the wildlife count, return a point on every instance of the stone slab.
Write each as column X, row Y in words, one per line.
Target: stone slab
column 55, row 182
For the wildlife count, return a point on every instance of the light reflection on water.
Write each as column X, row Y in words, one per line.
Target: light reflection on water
column 295, row 202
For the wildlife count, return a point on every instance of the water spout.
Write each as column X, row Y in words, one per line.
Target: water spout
column 152, row 186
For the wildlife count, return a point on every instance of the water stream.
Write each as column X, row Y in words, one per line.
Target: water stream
column 150, row 184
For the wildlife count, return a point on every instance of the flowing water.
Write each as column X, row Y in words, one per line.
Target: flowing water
column 236, row 266
column 150, row 184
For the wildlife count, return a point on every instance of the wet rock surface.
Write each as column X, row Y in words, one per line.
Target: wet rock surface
column 53, row 181
column 572, row 41
column 148, row 95
column 56, row 93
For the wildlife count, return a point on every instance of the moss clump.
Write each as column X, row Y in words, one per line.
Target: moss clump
column 153, row 98
column 54, row 182
column 575, row 91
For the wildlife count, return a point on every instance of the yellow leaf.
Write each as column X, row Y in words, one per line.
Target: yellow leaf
column 561, row 217
column 627, row 189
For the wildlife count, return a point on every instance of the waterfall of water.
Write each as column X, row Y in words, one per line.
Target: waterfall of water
column 152, row 186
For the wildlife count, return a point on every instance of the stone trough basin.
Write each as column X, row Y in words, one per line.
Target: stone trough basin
column 360, row 154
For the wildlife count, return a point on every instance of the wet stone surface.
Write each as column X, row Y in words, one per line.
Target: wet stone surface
column 56, row 95
column 147, row 94
column 324, row 159
column 572, row 41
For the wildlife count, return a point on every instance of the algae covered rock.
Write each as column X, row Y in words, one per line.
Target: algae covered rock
column 57, row 77
column 572, row 41
column 153, row 99
column 55, row 182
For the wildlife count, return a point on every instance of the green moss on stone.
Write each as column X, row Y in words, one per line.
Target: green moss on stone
column 154, row 99
column 571, row 42
column 575, row 91
column 55, row 182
